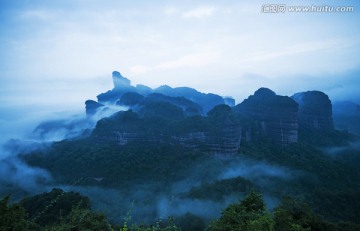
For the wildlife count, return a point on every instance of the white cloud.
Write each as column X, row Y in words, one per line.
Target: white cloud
column 37, row 14
column 140, row 69
column 192, row 60
column 170, row 10
column 199, row 12
column 300, row 48
column 199, row 59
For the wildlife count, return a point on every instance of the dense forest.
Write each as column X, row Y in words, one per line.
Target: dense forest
column 306, row 187
column 59, row 210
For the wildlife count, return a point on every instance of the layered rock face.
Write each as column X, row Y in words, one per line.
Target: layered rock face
column 227, row 142
column 315, row 110
column 216, row 134
column 276, row 114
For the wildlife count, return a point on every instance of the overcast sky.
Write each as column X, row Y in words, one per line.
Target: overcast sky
column 56, row 54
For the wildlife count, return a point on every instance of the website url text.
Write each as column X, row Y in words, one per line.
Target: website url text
column 282, row 8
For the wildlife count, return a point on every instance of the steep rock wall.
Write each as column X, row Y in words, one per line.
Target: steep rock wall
column 276, row 114
column 315, row 110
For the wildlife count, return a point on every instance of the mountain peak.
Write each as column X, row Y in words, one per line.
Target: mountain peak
column 264, row 92
column 315, row 110
column 119, row 80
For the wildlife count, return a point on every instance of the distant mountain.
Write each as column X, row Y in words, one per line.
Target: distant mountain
column 122, row 86
column 315, row 110
column 172, row 115
column 347, row 116
column 263, row 114
column 206, row 101
column 189, row 107
column 346, row 108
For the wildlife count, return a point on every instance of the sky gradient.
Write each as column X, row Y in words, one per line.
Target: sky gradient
column 56, row 54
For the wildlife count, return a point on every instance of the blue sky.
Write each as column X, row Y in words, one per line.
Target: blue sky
column 56, row 54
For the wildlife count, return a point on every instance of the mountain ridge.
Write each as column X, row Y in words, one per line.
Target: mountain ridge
column 266, row 114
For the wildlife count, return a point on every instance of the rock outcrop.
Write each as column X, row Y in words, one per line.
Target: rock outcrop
column 276, row 115
column 120, row 81
column 315, row 110
column 92, row 106
column 121, row 86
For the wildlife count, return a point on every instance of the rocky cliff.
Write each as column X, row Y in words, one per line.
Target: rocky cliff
column 195, row 132
column 315, row 110
column 226, row 141
column 276, row 115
